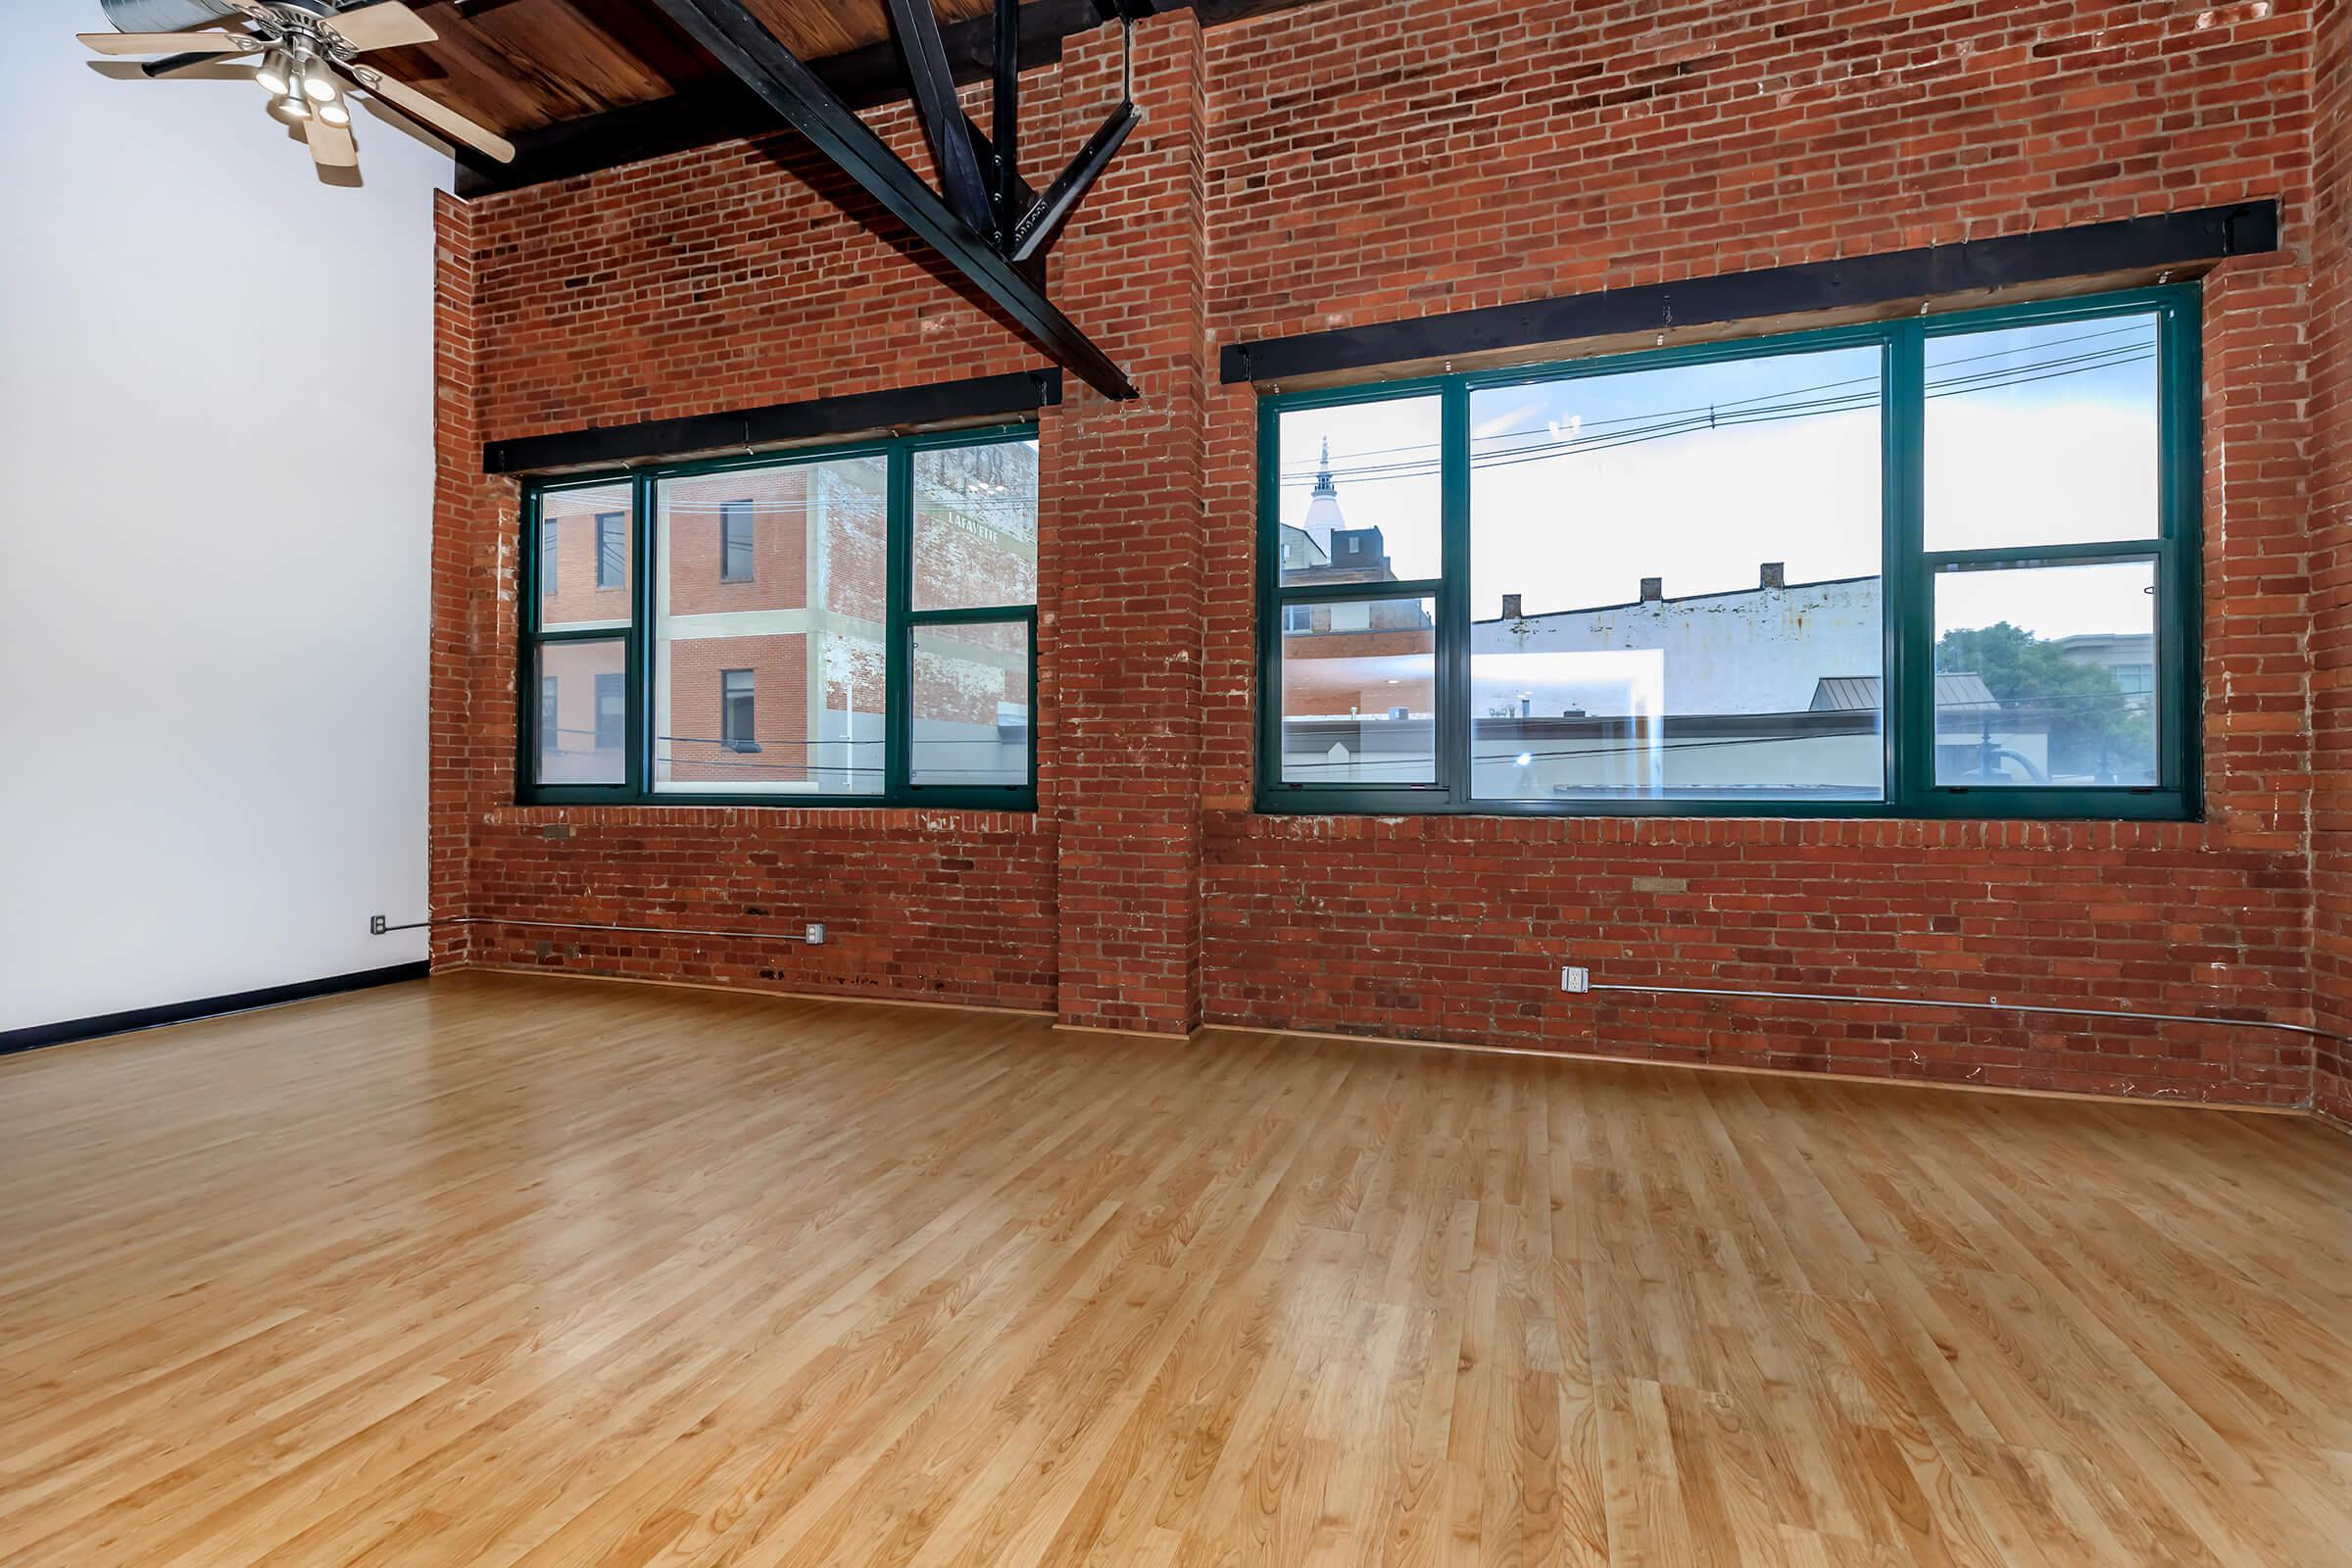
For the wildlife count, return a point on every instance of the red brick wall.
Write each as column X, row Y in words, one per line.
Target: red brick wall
column 2332, row 551
column 1356, row 160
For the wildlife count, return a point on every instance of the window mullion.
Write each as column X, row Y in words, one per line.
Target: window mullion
column 1324, row 593
column 638, row 762
column 2180, row 455
column 1452, row 683
column 1908, row 688
column 897, row 633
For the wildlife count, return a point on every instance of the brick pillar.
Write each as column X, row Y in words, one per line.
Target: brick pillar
column 2329, row 606
column 1123, row 486
column 458, row 592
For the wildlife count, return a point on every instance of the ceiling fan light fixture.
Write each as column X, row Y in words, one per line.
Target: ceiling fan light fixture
column 319, row 84
column 275, row 75
column 289, row 108
column 335, row 114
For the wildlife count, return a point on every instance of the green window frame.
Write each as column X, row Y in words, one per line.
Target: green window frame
column 640, row 652
column 1907, row 584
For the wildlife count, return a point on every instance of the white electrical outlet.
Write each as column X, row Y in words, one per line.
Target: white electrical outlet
column 1575, row 977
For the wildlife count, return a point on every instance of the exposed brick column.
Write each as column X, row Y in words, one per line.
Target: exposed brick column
column 1123, row 497
column 461, row 593
column 2330, row 524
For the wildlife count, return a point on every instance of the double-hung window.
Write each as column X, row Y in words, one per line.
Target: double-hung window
column 882, row 650
column 1939, row 567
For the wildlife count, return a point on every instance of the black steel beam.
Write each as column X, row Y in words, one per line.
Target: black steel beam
column 739, row 43
column 1005, row 106
column 2087, row 250
column 945, row 126
column 1041, row 223
column 725, row 111
column 1010, row 396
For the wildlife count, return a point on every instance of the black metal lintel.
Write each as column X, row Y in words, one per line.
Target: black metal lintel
column 2086, row 249
column 1012, row 395
column 945, row 126
column 739, row 41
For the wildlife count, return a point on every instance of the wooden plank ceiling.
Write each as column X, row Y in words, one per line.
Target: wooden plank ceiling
column 519, row 65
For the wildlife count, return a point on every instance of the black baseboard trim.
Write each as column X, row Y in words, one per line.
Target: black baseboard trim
column 34, row 1036
column 2167, row 239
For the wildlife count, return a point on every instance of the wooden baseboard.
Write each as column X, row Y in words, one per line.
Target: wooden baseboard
column 1808, row 1075
column 1165, row 1036
column 465, row 966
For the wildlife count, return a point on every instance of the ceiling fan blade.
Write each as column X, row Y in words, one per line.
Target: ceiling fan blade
column 332, row 145
column 386, row 24
column 174, row 65
column 171, row 43
column 407, row 99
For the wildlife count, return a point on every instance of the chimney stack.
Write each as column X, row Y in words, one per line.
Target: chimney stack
column 1774, row 574
column 1510, row 607
column 1654, row 589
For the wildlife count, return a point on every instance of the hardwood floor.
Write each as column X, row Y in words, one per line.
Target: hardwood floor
column 506, row 1270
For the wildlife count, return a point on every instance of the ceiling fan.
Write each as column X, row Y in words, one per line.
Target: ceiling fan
column 307, row 57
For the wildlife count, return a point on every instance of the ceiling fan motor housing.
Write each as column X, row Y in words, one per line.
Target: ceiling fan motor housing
column 176, row 16
column 164, row 16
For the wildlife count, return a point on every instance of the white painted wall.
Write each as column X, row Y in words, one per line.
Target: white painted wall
column 214, row 542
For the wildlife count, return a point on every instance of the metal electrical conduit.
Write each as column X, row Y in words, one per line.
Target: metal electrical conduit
column 815, row 935
column 1977, row 1006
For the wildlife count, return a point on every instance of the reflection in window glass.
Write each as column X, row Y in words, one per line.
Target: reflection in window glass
column 738, row 711
column 776, row 575
column 612, row 550
column 972, row 704
column 1674, row 582
column 975, row 525
column 2042, row 434
column 1359, row 693
column 1360, row 493
column 581, row 702
column 2044, row 675
column 735, row 541
column 584, row 557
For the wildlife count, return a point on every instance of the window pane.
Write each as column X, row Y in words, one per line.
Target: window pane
column 611, row 711
column 735, row 541
column 2046, row 675
column 584, row 557
column 1359, row 493
column 738, row 714
column 1359, row 693
column 2042, row 435
column 975, row 526
column 806, row 629
column 971, row 705
column 612, row 550
column 1674, row 585
column 582, row 698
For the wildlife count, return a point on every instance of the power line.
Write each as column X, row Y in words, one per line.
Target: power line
column 2142, row 329
column 1662, row 426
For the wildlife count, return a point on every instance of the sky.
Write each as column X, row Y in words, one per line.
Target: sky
column 1697, row 473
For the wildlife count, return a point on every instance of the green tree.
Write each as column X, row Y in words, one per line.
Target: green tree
column 2095, row 730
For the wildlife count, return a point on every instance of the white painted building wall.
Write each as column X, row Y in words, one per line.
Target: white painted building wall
column 1761, row 651
column 216, row 422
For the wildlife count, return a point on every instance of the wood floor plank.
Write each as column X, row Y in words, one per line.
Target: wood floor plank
column 505, row 1272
